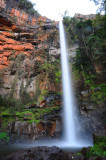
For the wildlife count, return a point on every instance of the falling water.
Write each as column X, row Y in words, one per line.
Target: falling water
column 70, row 128
column 68, row 98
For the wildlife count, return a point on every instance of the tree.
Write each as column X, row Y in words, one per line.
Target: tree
column 101, row 5
column 27, row 6
column 91, row 36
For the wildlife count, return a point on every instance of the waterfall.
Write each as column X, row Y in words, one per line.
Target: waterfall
column 68, row 98
column 73, row 137
column 70, row 111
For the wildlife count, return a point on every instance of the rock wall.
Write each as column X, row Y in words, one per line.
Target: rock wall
column 84, row 17
column 25, row 44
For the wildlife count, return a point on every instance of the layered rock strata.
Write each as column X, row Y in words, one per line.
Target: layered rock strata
column 25, row 42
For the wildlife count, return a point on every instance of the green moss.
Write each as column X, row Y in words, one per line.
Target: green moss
column 30, row 115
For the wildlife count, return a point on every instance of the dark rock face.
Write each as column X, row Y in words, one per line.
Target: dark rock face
column 39, row 153
column 23, row 131
column 95, row 121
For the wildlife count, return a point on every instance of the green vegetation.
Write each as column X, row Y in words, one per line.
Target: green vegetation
column 78, row 154
column 51, row 72
column 58, row 77
column 98, row 149
column 30, row 115
column 90, row 56
column 4, row 137
column 96, row 95
column 88, row 66
column 28, row 7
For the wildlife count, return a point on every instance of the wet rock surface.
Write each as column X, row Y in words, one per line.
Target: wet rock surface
column 24, row 132
column 95, row 120
column 50, row 153
column 38, row 153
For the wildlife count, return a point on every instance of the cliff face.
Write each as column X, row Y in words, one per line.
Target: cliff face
column 27, row 45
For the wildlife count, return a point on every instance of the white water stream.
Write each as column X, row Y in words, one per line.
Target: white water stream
column 68, row 98
column 70, row 110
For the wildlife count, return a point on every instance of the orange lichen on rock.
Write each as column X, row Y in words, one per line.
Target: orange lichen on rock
column 7, row 53
column 18, row 13
column 5, row 28
column 33, row 21
column 4, row 61
column 41, row 19
column 14, row 27
column 2, row 67
column 2, row 38
column 12, row 41
column 20, row 47
column 8, row 34
column 1, row 48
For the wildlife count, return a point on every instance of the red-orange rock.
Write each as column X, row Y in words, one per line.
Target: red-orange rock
column 2, row 66
column 7, row 53
column 2, row 38
column 11, row 41
column 14, row 27
column 23, row 47
column 41, row 19
column 4, row 61
column 1, row 55
column 8, row 34
column 1, row 48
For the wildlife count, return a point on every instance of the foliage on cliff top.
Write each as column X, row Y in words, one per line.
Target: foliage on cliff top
column 91, row 37
column 27, row 6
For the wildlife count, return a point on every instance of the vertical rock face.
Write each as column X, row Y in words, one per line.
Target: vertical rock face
column 25, row 42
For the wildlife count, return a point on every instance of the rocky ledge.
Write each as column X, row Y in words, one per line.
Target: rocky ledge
column 54, row 153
